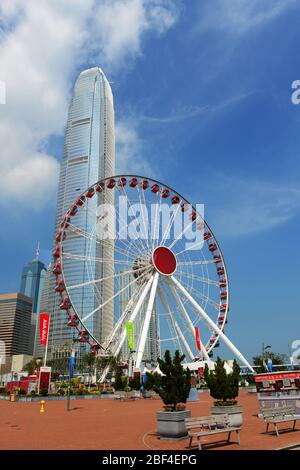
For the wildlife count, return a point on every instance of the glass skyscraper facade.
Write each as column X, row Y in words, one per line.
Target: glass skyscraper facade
column 32, row 281
column 89, row 155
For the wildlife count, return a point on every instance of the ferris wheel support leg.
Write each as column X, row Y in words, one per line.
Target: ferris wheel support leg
column 211, row 323
column 187, row 318
column 177, row 327
column 142, row 343
column 132, row 318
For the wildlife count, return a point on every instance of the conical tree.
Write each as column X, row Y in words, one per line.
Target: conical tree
column 224, row 388
column 175, row 383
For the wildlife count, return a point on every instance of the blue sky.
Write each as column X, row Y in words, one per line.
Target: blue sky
column 202, row 94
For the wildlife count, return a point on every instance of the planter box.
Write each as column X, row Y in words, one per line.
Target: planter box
column 235, row 413
column 171, row 425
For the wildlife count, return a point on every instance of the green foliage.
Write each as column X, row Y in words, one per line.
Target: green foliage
column 276, row 358
column 174, row 386
column 224, row 388
column 22, row 391
column 153, row 380
column 62, row 392
column 44, row 392
column 32, row 365
column 59, row 366
column 135, row 382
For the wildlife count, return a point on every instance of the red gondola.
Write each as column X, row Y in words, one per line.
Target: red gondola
column 65, row 221
column 222, row 283
column 80, row 201
column 60, row 285
column 83, row 336
column 223, row 308
column 184, row 207
column 155, row 188
column 223, row 296
column 66, row 303
column 133, row 182
column 212, row 340
column 73, row 210
column 212, row 247
column 95, row 347
column 111, row 183
column 100, row 187
column 165, row 193
column 145, row 184
column 217, row 258
column 221, row 317
column 207, row 235
column 217, row 345
column 193, row 215
column 57, row 269
column 175, row 200
column 90, row 192
column 73, row 321
column 56, row 252
column 122, row 182
column 221, row 270
column 61, row 235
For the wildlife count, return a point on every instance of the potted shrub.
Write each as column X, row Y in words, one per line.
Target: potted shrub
column 224, row 388
column 173, row 387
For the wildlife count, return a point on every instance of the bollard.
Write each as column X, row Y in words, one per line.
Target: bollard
column 42, row 406
column 12, row 397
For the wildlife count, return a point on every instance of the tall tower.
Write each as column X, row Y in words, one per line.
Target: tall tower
column 32, row 281
column 89, row 155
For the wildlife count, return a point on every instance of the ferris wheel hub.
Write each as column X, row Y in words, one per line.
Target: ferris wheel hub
column 164, row 260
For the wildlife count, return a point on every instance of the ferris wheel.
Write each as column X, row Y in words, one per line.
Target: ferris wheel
column 133, row 251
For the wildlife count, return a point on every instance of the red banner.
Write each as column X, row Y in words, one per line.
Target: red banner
column 44, row 327
column 197, row 334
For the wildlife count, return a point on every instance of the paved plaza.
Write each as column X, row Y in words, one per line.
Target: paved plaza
column 108, row 424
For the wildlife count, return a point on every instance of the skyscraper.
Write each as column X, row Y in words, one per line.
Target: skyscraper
column 89, row 155
column 15, row 322
column 32, row 280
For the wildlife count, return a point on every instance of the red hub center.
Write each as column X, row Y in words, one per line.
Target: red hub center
column 164, row 260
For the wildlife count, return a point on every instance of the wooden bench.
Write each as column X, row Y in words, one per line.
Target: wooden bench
column 283, row 414
column 208, row 426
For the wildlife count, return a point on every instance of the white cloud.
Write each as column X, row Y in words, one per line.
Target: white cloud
column 240, row 16
column 42, row 47
column 250, row 206
column 129, row 150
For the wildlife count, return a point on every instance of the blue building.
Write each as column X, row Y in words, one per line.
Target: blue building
column 32, row 281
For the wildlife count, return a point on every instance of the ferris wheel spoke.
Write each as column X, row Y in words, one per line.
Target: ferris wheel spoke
column 155, row 232
column 103, row 279
column 168, row 228
column 206, row 299
column 94, row 259
column 176, row 326
column 196, row 262
column 186, row 317
column 198, row 278
column 134, row 313
column 103, row 243
column 122, row 318
column 139, row 241
column 114, row 296
column 133, row 244
column 210, row 322
column 181, row 235
column 145, row 329
column 146, row 226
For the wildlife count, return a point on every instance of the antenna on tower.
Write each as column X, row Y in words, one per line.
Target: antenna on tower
column 38, row 250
